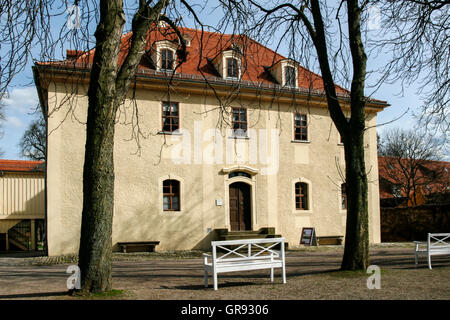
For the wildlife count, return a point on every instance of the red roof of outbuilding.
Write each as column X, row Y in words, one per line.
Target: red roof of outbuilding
column 21, row 165
column 390, row 169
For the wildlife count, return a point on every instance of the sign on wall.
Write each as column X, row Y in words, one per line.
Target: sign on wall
column 308, row 237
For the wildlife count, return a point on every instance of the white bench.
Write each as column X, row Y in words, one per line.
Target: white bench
column 436, row 244
column 260, row 254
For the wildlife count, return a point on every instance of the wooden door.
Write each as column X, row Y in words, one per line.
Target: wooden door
column 240, row 209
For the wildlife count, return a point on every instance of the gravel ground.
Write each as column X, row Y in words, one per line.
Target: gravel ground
column 312, row 273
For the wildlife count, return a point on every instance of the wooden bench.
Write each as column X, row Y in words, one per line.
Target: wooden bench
column 149, row 245
column 330, row 240
column 259, row 254
column 436, row 244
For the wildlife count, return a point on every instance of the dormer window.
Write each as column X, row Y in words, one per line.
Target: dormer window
column 289, row 76
column 187, row 39
column 228, row 64
column 285, row 72
column 232, row 68
column 165, row 55
column 167, row 59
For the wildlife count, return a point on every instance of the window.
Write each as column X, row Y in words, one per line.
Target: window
column 289, row 74
column 171, row 195
column 344, row 196
column 240, row 122
column 166, row 59
column 397, row 190
column 187, row 42
column 301, row 196
column 300, row 127
column 170, row 116
column 239, row 174
column 232, row 68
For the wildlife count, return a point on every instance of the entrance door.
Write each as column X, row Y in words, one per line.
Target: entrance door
column 240, row 209
column 2, row 241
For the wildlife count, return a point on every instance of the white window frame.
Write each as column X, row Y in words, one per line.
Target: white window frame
column 231, row 54
column 165, row 45
column 288, row 63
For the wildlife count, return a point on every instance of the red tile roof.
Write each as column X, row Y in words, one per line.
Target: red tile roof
column 389, row 169
column 202, row 49
column 21, row 166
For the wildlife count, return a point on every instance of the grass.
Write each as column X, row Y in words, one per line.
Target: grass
column 112, row 294
column 348, row 274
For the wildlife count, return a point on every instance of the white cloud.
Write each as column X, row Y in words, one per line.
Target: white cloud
column 13, row 121
column 23, row 100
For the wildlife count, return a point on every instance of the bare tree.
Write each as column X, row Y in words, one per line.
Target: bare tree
column 34, row 140
column 416, row 36
column 314, row 31
column 28, row 24
column 2, row 118
column 34, row 23
column 409, row 163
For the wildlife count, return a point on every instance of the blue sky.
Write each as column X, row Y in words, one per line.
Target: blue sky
column 19, row 108
column 19, row 112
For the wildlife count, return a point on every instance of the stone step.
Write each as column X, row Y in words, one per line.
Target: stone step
column 244, row 236
column 263, row 233
column 244, row 233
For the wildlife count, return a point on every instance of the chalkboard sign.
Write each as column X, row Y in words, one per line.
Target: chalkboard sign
column 308, row 237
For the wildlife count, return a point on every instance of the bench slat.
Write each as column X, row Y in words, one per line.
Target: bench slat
column 246, row 267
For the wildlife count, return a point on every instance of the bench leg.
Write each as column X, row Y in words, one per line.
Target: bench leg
column 271, row 274
column 429, row 261
column 415, row 259
column 215, row 280
column 206, row 278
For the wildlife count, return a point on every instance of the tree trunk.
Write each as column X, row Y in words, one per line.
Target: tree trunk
column 108, row 87
column 356, row 251
column 98, row 175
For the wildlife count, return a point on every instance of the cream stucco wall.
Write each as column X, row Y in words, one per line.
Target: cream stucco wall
column 139, row 172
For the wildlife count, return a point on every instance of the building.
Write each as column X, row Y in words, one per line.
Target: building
column 413, row 182
column 22, row 206
column 238, row 138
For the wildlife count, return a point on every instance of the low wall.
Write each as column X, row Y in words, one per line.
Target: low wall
column 413, row 223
